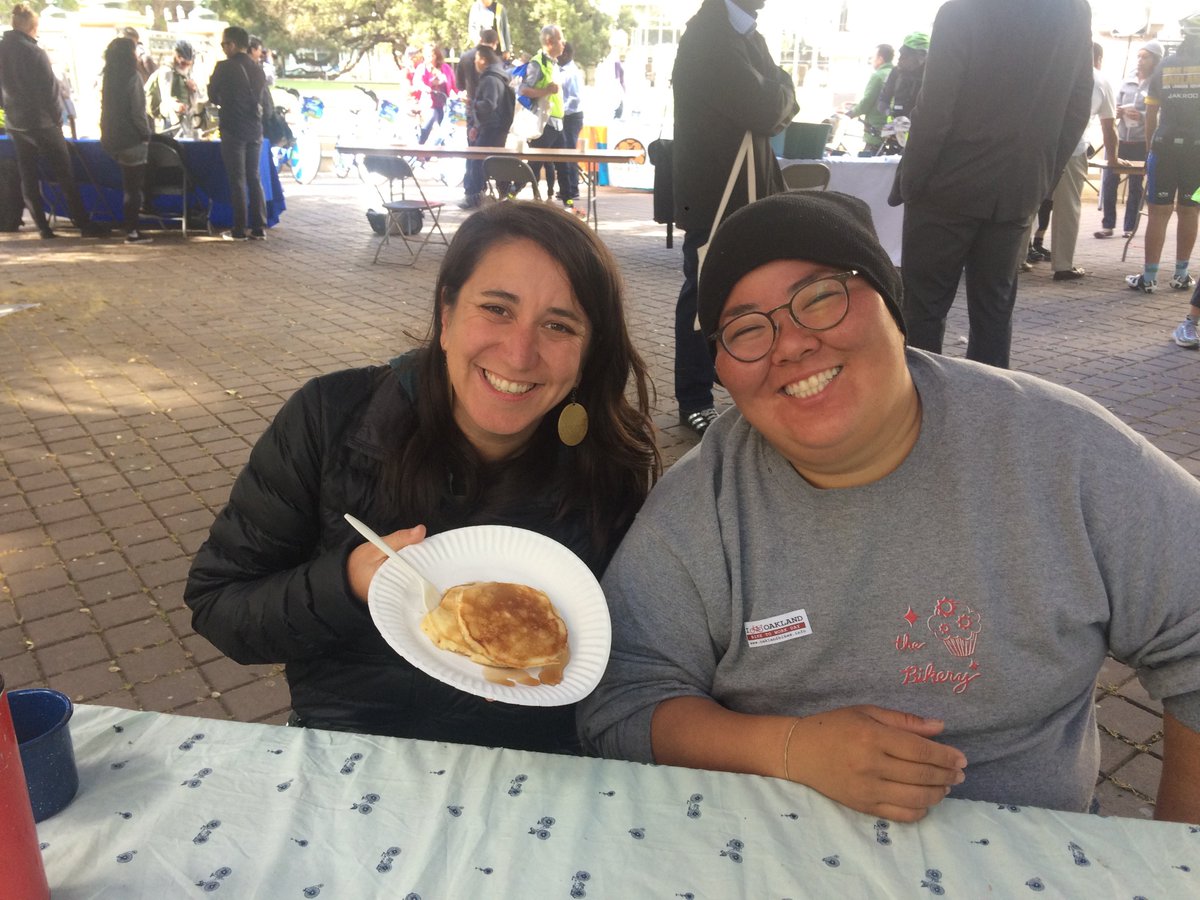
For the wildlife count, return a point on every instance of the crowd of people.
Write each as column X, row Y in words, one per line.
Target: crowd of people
column 141, row 101
column 548, row 82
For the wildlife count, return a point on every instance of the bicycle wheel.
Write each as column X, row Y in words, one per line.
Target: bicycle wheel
column 306, row 158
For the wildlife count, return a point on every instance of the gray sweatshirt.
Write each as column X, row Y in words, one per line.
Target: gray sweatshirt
column 1027, row 534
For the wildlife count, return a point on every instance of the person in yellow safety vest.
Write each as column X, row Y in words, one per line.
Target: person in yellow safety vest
column 541, row 85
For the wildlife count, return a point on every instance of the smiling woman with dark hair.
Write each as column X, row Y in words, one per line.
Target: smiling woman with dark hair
column 528, row 320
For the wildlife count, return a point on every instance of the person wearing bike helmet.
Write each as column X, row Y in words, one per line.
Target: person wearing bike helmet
column 1006, row 95
column 1185, row 334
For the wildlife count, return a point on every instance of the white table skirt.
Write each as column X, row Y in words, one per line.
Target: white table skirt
column 870, row 179
column 172, row 807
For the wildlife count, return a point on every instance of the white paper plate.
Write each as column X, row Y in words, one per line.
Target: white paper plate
column 495, row 553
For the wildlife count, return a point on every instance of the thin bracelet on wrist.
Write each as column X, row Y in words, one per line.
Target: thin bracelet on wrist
column 787, row 743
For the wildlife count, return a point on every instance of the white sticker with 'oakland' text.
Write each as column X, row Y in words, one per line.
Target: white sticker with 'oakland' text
column 762, row 632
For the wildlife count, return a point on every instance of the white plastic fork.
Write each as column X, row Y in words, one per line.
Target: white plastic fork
column 430, row 593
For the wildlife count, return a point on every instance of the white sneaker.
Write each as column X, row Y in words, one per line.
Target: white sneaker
column 1138, row 282
column 1185, row 335
column 1183, row 283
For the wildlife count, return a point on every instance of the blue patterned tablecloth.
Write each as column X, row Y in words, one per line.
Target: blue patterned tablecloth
column 173, row 807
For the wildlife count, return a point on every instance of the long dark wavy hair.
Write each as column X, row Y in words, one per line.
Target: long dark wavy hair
column 608, row 475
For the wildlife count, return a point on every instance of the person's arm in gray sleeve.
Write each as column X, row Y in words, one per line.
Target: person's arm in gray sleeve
column 661, row 646
column 1143, row 510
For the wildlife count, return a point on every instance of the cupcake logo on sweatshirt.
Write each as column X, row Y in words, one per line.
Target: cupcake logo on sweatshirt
column 954, row 627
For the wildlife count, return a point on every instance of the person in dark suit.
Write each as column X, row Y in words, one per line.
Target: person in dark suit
column 725, row 84
column 1006, row 95
column 237, row 86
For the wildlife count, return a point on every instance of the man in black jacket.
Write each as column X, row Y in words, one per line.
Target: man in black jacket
column 33, row 118
column 725, row 84
column 237, row 86
column 1006, row 95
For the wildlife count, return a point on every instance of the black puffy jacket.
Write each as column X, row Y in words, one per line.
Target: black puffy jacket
column 269, row 585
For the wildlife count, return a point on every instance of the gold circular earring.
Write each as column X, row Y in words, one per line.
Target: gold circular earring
column 572, row 423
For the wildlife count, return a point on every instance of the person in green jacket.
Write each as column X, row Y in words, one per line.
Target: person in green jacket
column 868, row 106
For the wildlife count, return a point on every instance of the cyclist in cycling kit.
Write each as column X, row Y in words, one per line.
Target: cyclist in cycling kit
column 1172, row 158
column 1177, row 142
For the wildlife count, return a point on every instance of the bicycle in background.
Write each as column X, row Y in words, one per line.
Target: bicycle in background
column 381, row 126
column 303, row 154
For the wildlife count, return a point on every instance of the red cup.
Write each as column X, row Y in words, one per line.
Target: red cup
column 24, row 874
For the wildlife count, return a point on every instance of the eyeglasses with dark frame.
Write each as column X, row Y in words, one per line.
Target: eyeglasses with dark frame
column 817, row 304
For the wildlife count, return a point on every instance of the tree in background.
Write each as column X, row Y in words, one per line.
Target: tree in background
column 358, row 26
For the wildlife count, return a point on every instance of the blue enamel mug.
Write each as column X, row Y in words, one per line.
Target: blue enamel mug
column 40, row 719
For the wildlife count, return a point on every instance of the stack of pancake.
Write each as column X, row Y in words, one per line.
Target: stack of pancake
column 500, row 625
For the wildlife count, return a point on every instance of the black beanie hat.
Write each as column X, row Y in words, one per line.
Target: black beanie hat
column 819, row 226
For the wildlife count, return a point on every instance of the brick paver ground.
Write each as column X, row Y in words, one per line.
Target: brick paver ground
column 132, row 391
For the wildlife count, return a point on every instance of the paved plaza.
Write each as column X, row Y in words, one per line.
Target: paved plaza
column 133, row 388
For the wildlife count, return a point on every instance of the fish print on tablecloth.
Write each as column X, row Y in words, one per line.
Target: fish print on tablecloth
column 832, row 861
column 455, row 810
column 638, row 834
column 313, row 890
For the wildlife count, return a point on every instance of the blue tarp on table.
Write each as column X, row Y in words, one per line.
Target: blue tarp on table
column 99, row 180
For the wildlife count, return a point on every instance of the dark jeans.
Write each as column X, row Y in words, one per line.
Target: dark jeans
column 1132, row 150
column 551, row 139
column 568, row 173
column 694, row 372
column 938, row 246
column 49, row 145
column 435, row 118
column 473, row 181
column 241, row 168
